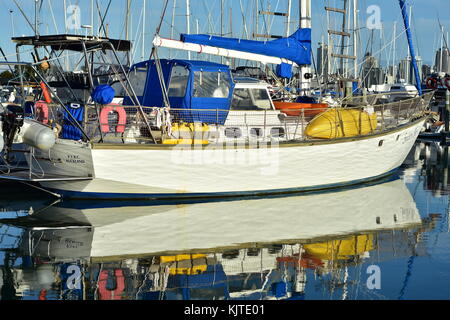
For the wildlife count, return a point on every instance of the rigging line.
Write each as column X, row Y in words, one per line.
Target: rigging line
column 102, row 19
column 44, row 190
column 244, row 20
column 264, row 19
column 25, row 16
column 208, row 11
column 440, row 25
column 53, row 15
column 32, row 27
column 413, row 24
column 376, row 53
column 138, row 33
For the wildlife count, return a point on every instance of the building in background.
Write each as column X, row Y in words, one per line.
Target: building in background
column 442, row 61
column 426, row 71
column 372, row 73
column 406, row 70
column 322, row 60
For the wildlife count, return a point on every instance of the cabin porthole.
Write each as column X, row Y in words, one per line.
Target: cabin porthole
column 233, row 133
column 380, row 144
column 277, row 132
column 256, row 132
column 378, row 220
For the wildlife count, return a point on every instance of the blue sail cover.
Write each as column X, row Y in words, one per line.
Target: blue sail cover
column 296, row 48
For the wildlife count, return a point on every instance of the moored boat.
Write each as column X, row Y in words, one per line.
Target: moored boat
column 178, row 133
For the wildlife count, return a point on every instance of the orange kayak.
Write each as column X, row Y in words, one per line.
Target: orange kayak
column 294, row 109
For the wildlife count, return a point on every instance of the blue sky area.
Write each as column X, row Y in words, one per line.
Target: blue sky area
column 207, row 18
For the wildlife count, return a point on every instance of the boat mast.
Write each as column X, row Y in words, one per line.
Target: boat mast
column 343, row 40
column 127, row 21
column 11, row 12
column 394, row 53
column 172, row 25
column 36, row 18
column 441, row 56
column 188, row 22
column 355, row 38
column 288, row 18
column 411, row 45
column 305, row 23
column 92, row 17
column 143, row 30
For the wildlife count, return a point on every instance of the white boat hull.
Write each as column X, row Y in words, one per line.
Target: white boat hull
column 176, row 172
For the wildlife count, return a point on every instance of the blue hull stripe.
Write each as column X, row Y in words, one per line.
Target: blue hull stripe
column 184, row 196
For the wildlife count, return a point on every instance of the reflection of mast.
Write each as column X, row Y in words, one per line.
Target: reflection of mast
column 407, row 276
column 8, row 291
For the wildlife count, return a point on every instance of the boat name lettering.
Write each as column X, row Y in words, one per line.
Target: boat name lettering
column 74, row 159
column 71, row 244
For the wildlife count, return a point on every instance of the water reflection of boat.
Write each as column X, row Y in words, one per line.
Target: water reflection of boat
column 161, row 228
column 172, row 252
column 171, row 228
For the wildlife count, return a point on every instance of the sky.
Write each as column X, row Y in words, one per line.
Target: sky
column 238, row 20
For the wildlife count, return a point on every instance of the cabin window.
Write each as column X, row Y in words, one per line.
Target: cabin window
column 277, row 132
column 256, row 132
column 233, row 133
column 138, row 78
column 251, row 99
column 178, row 82
column 211, row 84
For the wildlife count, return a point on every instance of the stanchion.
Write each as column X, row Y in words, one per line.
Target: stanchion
column 446, row 116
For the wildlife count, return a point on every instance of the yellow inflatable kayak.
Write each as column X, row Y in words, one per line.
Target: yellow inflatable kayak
column 341, row 122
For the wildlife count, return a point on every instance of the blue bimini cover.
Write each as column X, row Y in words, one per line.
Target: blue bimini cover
column 70, row 131
column 296, row 48
column 199, row 91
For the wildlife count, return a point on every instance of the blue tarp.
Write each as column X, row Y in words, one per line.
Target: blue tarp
column 284, row 70
column 103, row 94
column 296, row 48
column 70, row 130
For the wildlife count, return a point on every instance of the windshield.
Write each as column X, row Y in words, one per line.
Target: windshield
column 178, row 82
column 211, row 84
column 251, row 99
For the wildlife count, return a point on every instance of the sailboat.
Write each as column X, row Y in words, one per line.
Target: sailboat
column 176, row 135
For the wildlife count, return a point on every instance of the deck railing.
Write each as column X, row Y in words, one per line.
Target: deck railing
column 125, row 124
